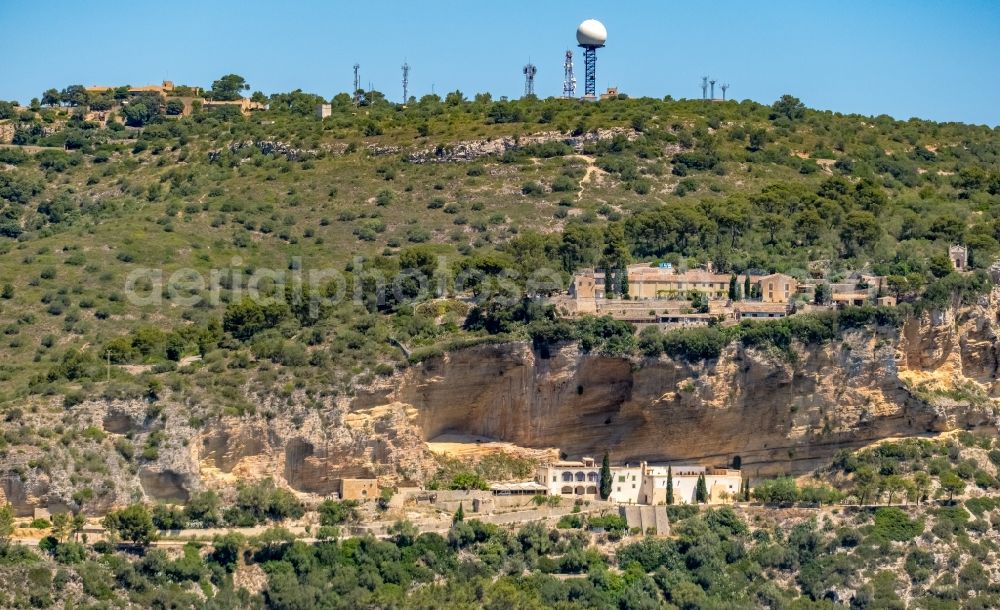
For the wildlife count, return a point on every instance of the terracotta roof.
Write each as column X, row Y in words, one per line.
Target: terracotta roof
column 850, row 296
column 761, row 307
column 666, row 275
column 518, row 486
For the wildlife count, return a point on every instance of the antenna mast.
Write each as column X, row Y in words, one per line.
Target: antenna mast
column 529, row 78
column 406, row 81
column 569, row 79
column 357, row 85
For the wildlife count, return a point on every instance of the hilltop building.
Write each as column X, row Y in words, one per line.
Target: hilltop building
column 245, row 105
column 640, row 483
column 861, row 290
column 959, row 257
column 751, row 310
column 663, row 296
column 646, row 282
column 660, row 295
column 777, row 288
column 165, row 88
column 610, row 94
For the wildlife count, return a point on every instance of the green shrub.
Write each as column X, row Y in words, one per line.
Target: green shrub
column 893, row 524
column 333, row 513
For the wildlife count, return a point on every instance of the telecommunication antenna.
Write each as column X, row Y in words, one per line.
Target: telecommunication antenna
column 590, row 35
column 704, row 87
column 529, row 71
column 406, row 81
column 724, row 86
column 357, row 84
column 569, row 79
column 712, row 82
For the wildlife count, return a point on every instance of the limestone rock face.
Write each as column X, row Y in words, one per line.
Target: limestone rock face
column 776, row 413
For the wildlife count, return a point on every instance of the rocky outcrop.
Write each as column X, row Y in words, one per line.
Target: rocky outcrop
column 267, row 147
column 474, row 149
column 774, row 413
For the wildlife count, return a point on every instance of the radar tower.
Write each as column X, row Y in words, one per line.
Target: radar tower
column 590, row 35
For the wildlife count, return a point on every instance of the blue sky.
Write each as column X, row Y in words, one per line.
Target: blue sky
column 930, row 59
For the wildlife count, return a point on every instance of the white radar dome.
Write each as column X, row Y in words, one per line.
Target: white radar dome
column 591, row 33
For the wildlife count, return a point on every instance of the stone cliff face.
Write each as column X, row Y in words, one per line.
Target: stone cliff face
column 775, row 414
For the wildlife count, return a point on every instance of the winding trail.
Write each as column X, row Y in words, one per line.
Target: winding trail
column 588, row 175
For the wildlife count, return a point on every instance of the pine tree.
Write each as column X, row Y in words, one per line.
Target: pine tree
column 76, row 526
column 61, row 526
column 701, row 491
column 605, row 477
column 6, row 523
column 670, row 485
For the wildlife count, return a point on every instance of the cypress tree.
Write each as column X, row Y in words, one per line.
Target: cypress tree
column 459, row 514
column 701, row 491
column 605, row 477
column 670, row 485
column 746, row 286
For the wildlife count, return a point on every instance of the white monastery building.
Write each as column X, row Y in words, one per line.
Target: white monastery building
column 640, row 483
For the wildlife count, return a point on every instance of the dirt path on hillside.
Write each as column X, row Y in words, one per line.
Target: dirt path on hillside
column 590, row 171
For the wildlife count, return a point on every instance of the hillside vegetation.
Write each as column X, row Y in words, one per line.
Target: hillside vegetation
column 442, row 186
